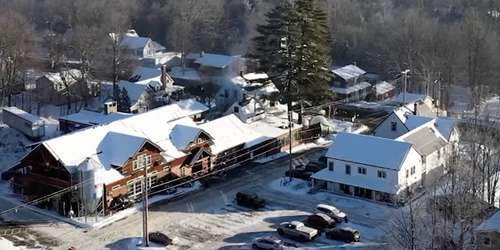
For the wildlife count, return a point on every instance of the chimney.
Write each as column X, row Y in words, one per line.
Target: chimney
column 415, row 107
column 110, row 107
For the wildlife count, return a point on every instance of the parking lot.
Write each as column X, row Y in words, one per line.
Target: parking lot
column 211, row 219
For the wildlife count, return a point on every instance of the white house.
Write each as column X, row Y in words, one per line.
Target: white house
column 402, row 121
column 369, row 167
column 432, row 148
column 138, row 46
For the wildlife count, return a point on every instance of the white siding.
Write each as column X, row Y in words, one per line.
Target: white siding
column 413, row 159
column 385, row 128
column 370, row 180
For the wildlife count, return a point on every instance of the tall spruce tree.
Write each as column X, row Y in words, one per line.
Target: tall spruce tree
column 293, row 47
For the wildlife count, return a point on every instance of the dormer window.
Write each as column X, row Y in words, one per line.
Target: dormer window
column 394, row 126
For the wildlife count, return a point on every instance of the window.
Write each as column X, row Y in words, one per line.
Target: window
column 394, row 126
column 407, row 173
column 141, row 162
column 413, row 170
column 236, row 109
column 423, row 160
column 381, row 174
column 348, row 169
column 166, row 169
column 439, row 153
column 486, row 241
column 330, row 165
column 361, row 170
column 183, row 171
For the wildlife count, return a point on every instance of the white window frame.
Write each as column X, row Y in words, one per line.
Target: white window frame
column 141, row 161
column 381, row 174
column 362, row 170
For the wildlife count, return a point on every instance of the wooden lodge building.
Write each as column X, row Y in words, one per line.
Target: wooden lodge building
column 108, row 160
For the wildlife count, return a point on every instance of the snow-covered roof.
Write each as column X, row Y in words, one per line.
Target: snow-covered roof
column 228, row 132
column 255, row 76
column 445, row 126
column 184, row 73
column 94, row 118
column 425, row 140
column 265, row 90
column 117, row 139
column 136, row 89
column 71, row 76
column 134, row 41
column 415, row 121
column 349, row 72
column 23, row 114
column 147, row 73
column 410, row 98
column 213, row 60
column 490, row 224
column 369, row 150
column 191, row 106
column 351, row 89
column 373, row 184
column 383, row 87
column 183, row 135
column 102, row 175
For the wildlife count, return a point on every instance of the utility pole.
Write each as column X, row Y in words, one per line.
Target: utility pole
column 405, row 83
column 290, row 124
column 145, row 206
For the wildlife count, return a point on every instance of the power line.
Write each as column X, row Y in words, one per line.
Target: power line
column 68, row 189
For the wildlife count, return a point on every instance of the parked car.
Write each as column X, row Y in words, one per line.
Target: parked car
column 345, row 234
column 300, row 174
column 271, row 243
column 297, row 230
column 331, row 211
column 249, row 200
column 160, row 238
column 319, row 221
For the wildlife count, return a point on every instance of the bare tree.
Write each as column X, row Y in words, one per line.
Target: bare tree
column 14, row 46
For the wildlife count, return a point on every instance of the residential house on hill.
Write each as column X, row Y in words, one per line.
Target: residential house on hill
column 401, row 121
column 52, row 87
column 369, row 167
column 412, row 155
column 111, row 158
column 384, row 90
column 138, row 46
column 88, row 118
column 149, row 88
column 348, row 83
column 487, row 234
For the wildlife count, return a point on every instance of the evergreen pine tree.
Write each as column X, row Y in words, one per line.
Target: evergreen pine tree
column 293, row 47
column 123, row 101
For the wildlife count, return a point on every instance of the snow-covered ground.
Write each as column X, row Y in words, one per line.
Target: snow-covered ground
column 138, row 206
